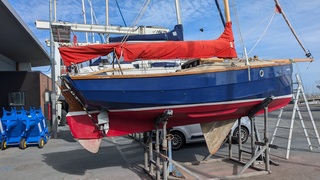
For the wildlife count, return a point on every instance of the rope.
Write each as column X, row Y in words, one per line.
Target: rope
column 262, row 34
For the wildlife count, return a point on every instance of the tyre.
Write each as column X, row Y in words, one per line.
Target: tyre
column 41, row 143
column 178, row 140
column 3, row 144
column 244, row 135
column 23, row 143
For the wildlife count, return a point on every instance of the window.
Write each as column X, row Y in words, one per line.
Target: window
column 17, row 98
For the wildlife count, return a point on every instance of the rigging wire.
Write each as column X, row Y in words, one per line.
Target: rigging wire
column 96, row 21
column 136, row 20
column 242, row 42
column 238, row 25
column 252, row 29
column 262, row 33
column 220, row 13
column 125, row 24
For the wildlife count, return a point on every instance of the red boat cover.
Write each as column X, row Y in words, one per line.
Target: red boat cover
column 223, row 47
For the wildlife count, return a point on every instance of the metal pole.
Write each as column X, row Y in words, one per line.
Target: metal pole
column 53, row 79
column 230, row 145
column 84, row 18
column 239, row 140
column 107, row 12
column 179, row 21
column 266, row 139
column 253, row 136
column 170, row 155
column 150, row 145
column 157, row 151
column 55, row 10
column 92, row 22
column 308, row 54
column 145, row 141
column 165, row 148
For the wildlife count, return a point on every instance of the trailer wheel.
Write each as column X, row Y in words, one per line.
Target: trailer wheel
column 3, row 144
column 41, row 143
column 23, row 143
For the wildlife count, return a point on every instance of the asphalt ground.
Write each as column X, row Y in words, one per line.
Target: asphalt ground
column 122, row 157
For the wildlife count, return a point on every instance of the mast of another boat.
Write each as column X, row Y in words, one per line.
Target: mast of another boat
column 84, row 19
column 178, row 12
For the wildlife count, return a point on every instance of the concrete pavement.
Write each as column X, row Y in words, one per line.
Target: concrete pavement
column 122, row 158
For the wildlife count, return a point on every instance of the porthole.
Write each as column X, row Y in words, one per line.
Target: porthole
column 261, row 73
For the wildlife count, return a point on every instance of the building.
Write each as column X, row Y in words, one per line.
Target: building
column 20, row 51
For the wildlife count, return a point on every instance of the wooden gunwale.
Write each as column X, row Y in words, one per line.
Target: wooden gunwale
column 218, row 66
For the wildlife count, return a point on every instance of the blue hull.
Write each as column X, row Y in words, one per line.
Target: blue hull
column 211, row 87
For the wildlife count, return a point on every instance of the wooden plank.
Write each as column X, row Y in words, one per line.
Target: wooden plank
column 216, row 67
column 293, row 60
column 107, row 70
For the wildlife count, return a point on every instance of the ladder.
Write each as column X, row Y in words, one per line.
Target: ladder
column 297, row 91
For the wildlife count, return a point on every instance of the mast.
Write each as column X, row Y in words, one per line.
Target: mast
column 107, row 12
column 178, row 12
column 55, row 10
column 92, row 22
column 308, row 54
column 227, row 10
column 84, row 18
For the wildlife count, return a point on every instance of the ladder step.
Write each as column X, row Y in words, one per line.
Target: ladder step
column 315, row 146
column 281, row 137
column 309, row 128
column 313, row 137
column 284, row 127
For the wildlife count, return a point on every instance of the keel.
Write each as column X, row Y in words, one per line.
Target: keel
column 92, row 145
column 215, row 133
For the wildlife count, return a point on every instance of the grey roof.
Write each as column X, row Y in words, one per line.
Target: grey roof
column 17, row 42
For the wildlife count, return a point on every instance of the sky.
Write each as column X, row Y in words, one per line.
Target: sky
column 263, row 31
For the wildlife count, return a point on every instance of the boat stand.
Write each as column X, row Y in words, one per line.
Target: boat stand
column 259, row 148
column 158, row 163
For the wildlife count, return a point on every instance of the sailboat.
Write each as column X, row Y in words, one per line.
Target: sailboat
column 214, row 87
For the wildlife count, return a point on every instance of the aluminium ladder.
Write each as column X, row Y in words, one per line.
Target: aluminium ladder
column 299, row 90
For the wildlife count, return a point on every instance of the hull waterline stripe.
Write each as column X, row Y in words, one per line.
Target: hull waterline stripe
column 197, row 105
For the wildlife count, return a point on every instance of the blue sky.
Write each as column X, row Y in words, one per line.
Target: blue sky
column 252, row 17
